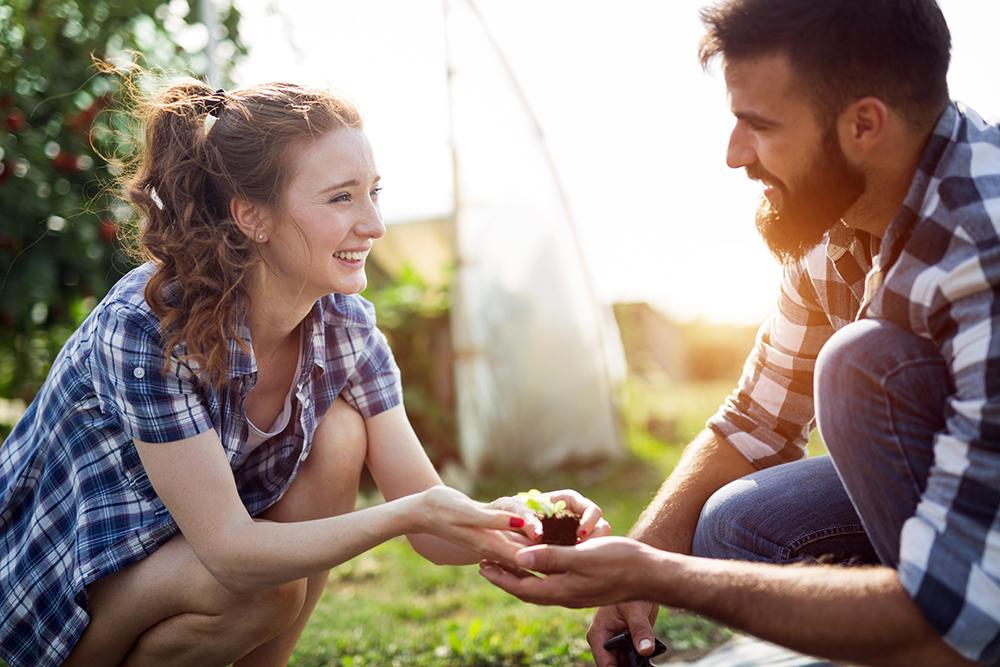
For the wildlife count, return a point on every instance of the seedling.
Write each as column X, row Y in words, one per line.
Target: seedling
column 540, row 504
column 559, row 524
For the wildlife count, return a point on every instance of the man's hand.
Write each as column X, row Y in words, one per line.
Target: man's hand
column 637, row 617
column 601, row 571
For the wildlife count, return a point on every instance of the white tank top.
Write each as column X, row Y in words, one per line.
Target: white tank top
column 257, row 437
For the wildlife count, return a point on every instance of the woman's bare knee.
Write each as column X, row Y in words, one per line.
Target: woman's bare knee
column 327, row 483
column 273, row 609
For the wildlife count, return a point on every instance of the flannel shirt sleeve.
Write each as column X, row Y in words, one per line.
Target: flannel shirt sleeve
column 950, row 548
column 375, row 384
column 769, row 415
column 154, row 404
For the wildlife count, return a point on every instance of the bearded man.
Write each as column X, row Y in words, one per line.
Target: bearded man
column 882, row 199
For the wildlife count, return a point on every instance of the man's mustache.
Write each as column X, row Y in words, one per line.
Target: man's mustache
column 757, row 173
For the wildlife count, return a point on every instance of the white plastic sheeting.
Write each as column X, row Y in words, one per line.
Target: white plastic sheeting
column 536, row 356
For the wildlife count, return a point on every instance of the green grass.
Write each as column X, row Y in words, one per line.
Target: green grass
column 390, row 607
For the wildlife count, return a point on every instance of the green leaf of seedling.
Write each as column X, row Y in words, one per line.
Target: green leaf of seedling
column 534, row 505
column 559, row 506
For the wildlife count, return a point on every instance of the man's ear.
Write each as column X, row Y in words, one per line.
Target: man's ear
column 251, row 218
column 863, row 126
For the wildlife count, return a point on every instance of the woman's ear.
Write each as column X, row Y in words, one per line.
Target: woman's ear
column 251, row 219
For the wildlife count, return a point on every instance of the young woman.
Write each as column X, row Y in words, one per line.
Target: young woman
column 186, row 477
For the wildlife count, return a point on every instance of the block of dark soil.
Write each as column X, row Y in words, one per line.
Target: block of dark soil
column 560, row 529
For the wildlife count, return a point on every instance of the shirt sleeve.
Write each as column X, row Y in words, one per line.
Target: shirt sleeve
column 769, row 415
column 950, row 549
column 375, row 384
column 154, row 402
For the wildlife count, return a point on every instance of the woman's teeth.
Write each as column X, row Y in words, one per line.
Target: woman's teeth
column 354, row 256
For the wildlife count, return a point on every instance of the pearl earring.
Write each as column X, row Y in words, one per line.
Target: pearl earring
column 260, row 237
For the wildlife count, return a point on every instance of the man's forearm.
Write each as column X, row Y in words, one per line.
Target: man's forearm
column 707, row 465
column 860, row 614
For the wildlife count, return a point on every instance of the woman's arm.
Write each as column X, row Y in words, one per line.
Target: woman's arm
column 400, row 468
column 193, row 479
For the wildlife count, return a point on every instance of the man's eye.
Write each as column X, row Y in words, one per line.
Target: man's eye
column 341, row 198
column 375, row 192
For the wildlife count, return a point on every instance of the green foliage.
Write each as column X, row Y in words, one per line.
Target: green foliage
column 540, row 503
column 59, row 248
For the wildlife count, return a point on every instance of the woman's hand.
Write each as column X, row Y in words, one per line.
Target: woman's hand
column 451, row 515
column 592, row 523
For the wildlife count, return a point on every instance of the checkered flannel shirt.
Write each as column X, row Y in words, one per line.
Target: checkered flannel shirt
column 75, row 501
column 936, row 273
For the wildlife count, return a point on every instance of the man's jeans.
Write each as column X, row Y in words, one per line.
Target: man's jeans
column 880, row 393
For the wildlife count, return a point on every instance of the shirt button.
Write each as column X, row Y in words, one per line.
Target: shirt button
column 139, row 372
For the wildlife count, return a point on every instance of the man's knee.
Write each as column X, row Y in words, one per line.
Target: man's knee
column 722, row 527
column 857, row 370
column 846, row 357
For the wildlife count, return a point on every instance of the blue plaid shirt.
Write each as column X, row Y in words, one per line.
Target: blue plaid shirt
column 936, row 272
column 75, row 502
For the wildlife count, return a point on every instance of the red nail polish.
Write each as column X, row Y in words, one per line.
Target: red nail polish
column 516, row 522
column 583, row 533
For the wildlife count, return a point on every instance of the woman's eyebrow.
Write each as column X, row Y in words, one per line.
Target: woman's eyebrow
column 346, row 184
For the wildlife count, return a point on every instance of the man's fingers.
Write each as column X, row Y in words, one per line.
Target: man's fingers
column 517, row 586
column 544, row 558
column 637, row 618
column 516, row 571
column 606, row 624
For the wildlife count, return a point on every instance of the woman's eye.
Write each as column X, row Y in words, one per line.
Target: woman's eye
column 341, row 198
column 375, row 192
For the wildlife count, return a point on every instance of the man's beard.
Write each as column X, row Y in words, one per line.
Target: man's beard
column 811, row 207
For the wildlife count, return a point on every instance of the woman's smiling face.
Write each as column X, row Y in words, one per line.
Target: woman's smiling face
column 328, row 217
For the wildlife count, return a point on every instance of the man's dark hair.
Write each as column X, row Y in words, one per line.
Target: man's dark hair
column 843, row 50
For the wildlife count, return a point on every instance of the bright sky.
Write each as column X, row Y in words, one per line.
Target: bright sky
column 637, row 131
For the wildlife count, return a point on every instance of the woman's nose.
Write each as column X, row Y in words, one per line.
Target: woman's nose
column 371, row 224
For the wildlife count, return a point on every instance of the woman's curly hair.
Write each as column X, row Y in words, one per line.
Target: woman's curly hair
column 191, row 166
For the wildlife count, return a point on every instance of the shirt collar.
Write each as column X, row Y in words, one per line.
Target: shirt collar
column 333, row 310
column 244, row 362
column 839, row 240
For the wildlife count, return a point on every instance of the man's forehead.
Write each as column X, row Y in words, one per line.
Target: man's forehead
column 771, row 73
column 764, row 84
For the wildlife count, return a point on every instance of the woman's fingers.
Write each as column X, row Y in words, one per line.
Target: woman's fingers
column 591, row 521
column 588, row 511
column 601, row 529
column 450, row 506
column 532, row 526
column 489, row 544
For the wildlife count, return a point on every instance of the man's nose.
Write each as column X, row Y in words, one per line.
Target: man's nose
column 740, row 152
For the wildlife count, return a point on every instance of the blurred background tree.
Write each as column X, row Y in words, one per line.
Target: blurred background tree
column 59, row 247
